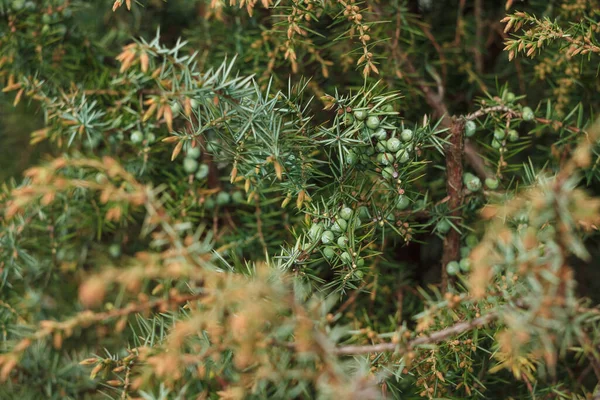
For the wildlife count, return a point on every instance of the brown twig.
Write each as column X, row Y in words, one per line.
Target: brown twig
column 435, row 337
column 454, row 187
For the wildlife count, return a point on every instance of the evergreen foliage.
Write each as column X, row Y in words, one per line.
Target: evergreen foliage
column 304, row 199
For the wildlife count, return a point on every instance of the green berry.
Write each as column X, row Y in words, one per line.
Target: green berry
column 114, row 250
column 452, row 268
column 381, row 146
column 388, row 173
column 223, row 198
column 471, row 240
column 101, row 178
column 363, row 212
column 327, row 237
column 360, row 115
column 209, row 203
column 150, row 137
column 237, row 197
column 360, row 262
column 387, row 108
column 406, row 135
column 496, row 144
column 202, row 171
column 443, row 226
column 194, row 103
column 351, row 158
column 470, row 128
column 190, row 165
column 329, row 252
column 386, row 159
column 402, row 202
column 359, row 274
column 393, row 145
column 465, row 251
column 513, row 135
column 339, row 225
column 403, row 156
column 465, row 265
column 348, row 119
column 342, row 241
column 380, row 134
column 46, row 19
column 193, row 152
column 136, row 137
column 315, row 231
column 474, row 184
column 528, row 114
column 373, row 122
column 357, row 223
column 346, row 257
column 346, row 213
column 175, row 108
column 510, row 97
column 491, row 183
column 499, row 134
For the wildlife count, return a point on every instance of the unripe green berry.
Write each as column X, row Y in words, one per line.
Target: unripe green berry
column 387, row 108
column 223, row 198
column 342, row 241
column 443, row 226
column 209, row 203
column 393, row 144
column 202, row 171
column 363, row 212
column 452, row 268
column 346, row 257
column 357, row 223
column 101, row 178
column 491, row 183
column 471, row 240
column 465, row 251
column 346, row 213
column 474, row 184
column 136, row 137
column 193, row 152
column 348, row 119
column 510, row 97
column 360, row 262
column 470, row 128
column 150, row 137
column 381, row 146
column 513, row 135
column 406, row 135
column 190, row 165
column 373, row 122
column 329, row 252
column 403, row 202
column 237, row 197
column 327, row 237
column 387, row 159
column 359, row 274
column 380, row 134
column 339, row 225
column 499, row 134
column 360, row 115
column 114, row 250
column 316, row 231
column 496, row 144
column 351, row 158
column 388, row 173
column 403, row 156
column 528, row 114
column 465, row 265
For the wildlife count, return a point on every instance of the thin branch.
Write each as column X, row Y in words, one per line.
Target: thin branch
column 435, row 337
